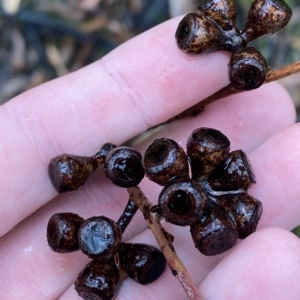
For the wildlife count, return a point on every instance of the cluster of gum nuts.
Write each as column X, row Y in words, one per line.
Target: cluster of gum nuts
column 213, row 28
column 204, row 188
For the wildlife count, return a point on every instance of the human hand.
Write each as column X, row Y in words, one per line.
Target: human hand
column 138, row 85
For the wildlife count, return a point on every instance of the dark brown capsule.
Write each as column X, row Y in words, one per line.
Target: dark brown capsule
column 99, row 280
column 234, row 174
column 247, row 69
column 245, row 209
column 69, row 172
column 266, row 17
column 143, row 263
column 197, row 34
column 123, row 166
column 99, row 237
column 62, row 232
column 223, row 12
column 182, row 202
column 206, row 148
column 215, row 232
column 164, row 161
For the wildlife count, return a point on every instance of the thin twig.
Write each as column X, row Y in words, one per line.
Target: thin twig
column 177, row 267
column 283, row 72
column 127, row 215
column 230, row 90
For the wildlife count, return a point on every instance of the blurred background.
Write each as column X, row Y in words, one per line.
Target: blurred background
column 44, row 39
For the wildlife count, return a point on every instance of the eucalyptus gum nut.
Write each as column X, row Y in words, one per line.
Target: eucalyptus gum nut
column 69, row 172
column 123, row 166
column 62, row 232
column 99, row 237
column 245, row 209
column 99, row 280
column 215, row 232
column 233, row 174
column 143, row 263
column 164, row 161
column 266, row 17
column 223, row 12
column 197, row 34
column 247, row 69
column 206, row 149
column 182, row 202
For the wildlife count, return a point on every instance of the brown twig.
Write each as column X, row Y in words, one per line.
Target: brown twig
column 177, row 267
column 230, row 90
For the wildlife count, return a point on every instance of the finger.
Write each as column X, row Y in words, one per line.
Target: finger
column 140, row 84
column 247, row 119
column 100, row 197
column 264, row 266
column 252, row 126
column 276, row 165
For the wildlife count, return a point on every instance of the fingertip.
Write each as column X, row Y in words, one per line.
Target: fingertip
column 266, row 265
column 252, row 117
column 276, row 164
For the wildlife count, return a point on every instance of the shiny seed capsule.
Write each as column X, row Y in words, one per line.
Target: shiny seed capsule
column 123, row 165
column 247, row 69
column 182, row 202
column 62, row 232
column 164, row 161
column 99, row 280
column 223, row 12
column 233, row 174
column 197, row 34
column 99, row 237
column 143, row 263
column 215, row 232
column 244, row 209
column 206, row 149
column 69, row 172
column 266, row 17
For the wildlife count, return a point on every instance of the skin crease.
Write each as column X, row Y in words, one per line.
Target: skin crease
column 114, row 100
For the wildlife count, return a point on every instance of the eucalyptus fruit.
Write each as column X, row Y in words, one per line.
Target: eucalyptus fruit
column 213, row 28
